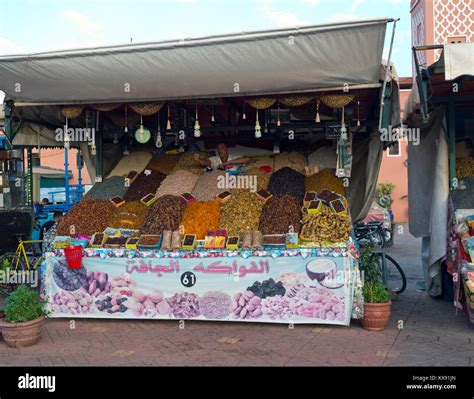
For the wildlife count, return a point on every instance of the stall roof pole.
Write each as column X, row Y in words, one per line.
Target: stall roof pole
column 8, row 124
column 382, row 96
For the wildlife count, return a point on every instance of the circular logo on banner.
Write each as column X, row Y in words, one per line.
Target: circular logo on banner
column 188, row 279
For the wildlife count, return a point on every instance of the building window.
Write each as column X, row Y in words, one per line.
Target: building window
column 456, row 39
column 419, row 34
column 394, row 150
column 36, row 160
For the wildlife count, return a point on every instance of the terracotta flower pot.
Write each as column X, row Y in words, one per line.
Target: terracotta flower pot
column 376, row 316
column 19, row 335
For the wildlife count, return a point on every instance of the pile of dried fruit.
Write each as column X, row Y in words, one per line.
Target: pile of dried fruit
column 325, row 226
column 177, row 183
column 207, row 187
column 464, row 167
column 186, row 162
column 149, row 305
column 66, row 278
column 293, row 160
column 255, row 179
column 246, row 305
column 184, row 305
column 287, row 181
column 267, row 288
column 129, row 216
column 260, row 160
column 215, row 305
column 72, row 302
column 242, row 212
column 201, row 216
column 164, row 214
column 279, row 213
column 111, row 187
column 164, row 163
column 87, row 217
column 325, row 180
column 145, row 183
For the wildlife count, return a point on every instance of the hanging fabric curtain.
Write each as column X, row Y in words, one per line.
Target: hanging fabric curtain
column 105, row 107
column 295, row 101
column 147, row 109
column 337, row 100
column 261, row 103
column 72, row 111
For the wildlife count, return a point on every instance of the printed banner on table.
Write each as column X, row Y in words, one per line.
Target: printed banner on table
column 284, row 290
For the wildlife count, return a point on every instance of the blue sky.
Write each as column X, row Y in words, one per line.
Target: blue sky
column 42, row 25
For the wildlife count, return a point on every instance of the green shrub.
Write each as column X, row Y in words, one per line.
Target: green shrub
column 24, row 304
column 375, row 292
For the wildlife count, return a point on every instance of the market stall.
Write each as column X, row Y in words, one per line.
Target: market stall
column 265, row 235
column 441, row 169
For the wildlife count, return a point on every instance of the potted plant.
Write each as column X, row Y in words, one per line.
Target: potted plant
column 24, row 317
column 377, row 302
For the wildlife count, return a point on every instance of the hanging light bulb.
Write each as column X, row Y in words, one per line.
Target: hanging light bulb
column 142, row 135
column 265, row 130
column 115, row 138
column 243, row 114
column 318, row 119
column 258, row 130
column 168, row 122
column 197, row 128
column 358, row 113
column 126, row 120
column 278, row 116
column 212, row 117
column 93, row 149
column 343, row 127
column 158, row 142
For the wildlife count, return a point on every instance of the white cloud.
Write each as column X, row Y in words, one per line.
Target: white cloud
column 280, row 18
column 312, row 2
column 344, row 17
column 8, row 47
column 356, row 4
column 83, row 22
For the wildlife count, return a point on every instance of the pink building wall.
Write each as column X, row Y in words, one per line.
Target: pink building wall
column 54, row 158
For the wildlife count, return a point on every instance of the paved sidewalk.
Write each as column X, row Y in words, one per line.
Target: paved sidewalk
column 431, row 335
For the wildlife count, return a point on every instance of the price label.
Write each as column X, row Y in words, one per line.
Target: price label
column 188, row 279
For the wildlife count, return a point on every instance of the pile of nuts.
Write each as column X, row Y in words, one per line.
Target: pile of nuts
column 207, row 187
column 86, row 217
column 164, row 214
column 177, row 183
column 325, row 226
column 279, row 213
column 287, row 181
column 325, row 180
column 146, row 182
column 129, row 216
column 242, row 212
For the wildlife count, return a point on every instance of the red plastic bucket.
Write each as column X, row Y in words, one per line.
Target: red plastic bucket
column 73, row 256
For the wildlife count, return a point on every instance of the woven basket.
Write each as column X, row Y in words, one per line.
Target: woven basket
column 147, row 108
column 295, row 101
column 337, row 100
column 72, row 111
column 261, row 103
column 118, row 118
column 105, row 107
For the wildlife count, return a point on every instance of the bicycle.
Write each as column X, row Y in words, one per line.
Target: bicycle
column 26, row 256
column 393, row 276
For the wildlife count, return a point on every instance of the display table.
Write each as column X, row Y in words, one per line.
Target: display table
column 309, row 285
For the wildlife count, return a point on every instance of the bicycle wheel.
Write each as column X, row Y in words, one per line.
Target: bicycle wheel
column 396, row 279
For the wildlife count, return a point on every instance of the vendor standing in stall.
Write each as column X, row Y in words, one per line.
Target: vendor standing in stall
column 223, row 158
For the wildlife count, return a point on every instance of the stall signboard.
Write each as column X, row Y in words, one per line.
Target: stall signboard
column 256, row 289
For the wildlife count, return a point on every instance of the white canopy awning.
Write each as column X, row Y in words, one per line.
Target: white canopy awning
column 265, row 62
